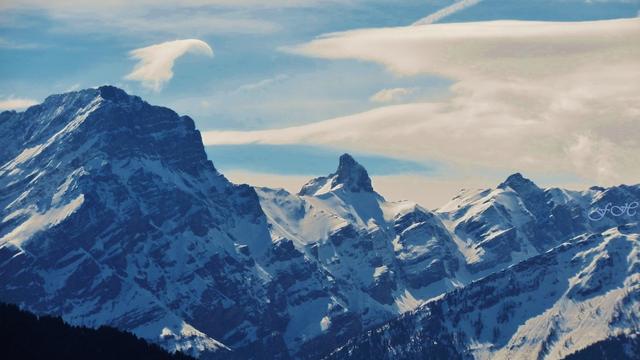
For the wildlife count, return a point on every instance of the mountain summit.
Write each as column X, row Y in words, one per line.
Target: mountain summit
column 519, row 184
column 100, row 123
column 350, row 176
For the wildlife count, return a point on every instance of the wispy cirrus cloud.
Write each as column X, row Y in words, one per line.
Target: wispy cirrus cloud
column 447, row 11
column 259, row 85
column 155, row 62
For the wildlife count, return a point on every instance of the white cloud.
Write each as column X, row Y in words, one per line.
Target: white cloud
column 155, row 65
column 503, row 50
column 447, row 11
column 538, row 97
column 261, row 84
column 391, row 95
column 16, row 103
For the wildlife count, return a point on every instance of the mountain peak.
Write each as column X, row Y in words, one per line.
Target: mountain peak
column 518, row 183
column 76, row 100
column 352, row 175
column 109, row 92
column 104, row 122
column 346, row 160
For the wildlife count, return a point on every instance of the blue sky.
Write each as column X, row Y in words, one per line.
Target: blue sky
column 51, row 53
column 252, row 82
column 307, row 160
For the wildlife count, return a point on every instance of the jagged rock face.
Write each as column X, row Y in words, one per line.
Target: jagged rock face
column 352, row 176
column 112, row 214
column 548, row 306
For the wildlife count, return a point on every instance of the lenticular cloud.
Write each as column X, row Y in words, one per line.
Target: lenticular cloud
column 155, row 62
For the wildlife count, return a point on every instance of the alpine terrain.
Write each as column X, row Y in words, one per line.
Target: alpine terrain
column 111, row 214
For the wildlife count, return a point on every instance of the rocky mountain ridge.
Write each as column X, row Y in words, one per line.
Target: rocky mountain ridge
column 111, row 214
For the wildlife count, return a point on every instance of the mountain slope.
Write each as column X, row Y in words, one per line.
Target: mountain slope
column 548, row 306
column 494, row 228
column 394, row 256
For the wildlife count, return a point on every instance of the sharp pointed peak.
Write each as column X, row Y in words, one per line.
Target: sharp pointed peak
column 351, row 175
column 518, row 183
column 346, row 160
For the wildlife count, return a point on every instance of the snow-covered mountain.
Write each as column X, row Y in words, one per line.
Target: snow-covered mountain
column 399, row 255
column 548, row 272
column 111, row 213
column 394, row 253
column 546, row 307
column 384, row 257
column 494, row 228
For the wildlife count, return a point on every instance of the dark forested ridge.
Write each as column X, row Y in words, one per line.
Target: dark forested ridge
column 25, row 336
column 621, row 347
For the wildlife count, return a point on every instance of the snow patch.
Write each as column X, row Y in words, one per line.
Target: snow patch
column 189, row 340
column 39, row 221
column 325, row 323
